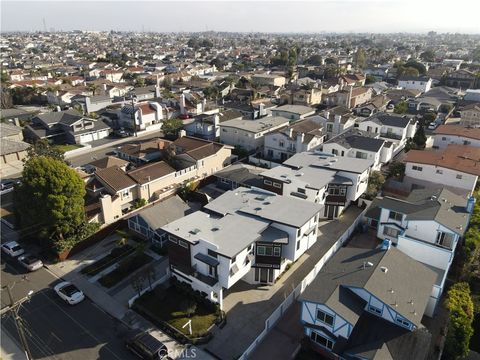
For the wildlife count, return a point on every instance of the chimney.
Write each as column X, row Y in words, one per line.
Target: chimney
column 182, row 104
column 204, row 105
column 300, row 138
column 104, row 87
column 349, row 98
column 261, row 110
column 290, row 132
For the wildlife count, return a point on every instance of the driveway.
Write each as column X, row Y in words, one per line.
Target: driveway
column 248, row 306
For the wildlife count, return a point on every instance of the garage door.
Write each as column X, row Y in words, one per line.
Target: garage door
column 86, row 138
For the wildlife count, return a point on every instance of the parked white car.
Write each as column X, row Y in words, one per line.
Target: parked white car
column 12, row 248
column 30, row 262
column 69, row 293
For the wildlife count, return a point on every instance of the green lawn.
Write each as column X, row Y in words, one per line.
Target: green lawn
column 126, row 267
column 114, row 256
column 168, row 305
column 67, row 147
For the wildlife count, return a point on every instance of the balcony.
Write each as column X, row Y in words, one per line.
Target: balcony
column 206, row 279
column 393, row 136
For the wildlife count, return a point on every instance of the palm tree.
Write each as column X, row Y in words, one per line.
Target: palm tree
column 93, row 88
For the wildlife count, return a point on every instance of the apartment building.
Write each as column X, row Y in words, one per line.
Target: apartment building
column 194, row 159
column 420, row 83
column 293, row 112
column 243, row 234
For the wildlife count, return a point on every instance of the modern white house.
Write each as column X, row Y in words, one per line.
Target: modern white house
column 243, row 234
column 456, row 166
column 250, row 134
column 427, row 226
column 446, row 135
column 336, row 120
column 303, row 135
column 363, row 304
column 355, row 143
column 420, row 83
column 393, row 128
column 331, row 181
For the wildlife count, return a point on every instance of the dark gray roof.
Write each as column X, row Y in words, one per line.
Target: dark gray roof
column 358, row 139
column 97, row 125
column 389, row 120
column 440, row 205
column 346, row 268
column 14, row 113
column 379, row 339
column 164, row 212
column 66, row 117
column 242, row 174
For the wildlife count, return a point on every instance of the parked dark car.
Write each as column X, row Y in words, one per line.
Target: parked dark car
column 146, row 346
column 9, row 184
column 121, row 133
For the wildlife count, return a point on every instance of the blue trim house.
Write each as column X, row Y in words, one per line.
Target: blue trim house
column 362, row 283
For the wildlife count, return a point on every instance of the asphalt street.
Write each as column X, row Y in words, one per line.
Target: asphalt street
column 54, row 329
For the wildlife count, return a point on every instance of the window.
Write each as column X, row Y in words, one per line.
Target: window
column 334, row 151
column 459, row 176
column 402, row 322
column 281, row 143
column 343, row 153
column 261, row 250
column 224, row 130
column 389, row 231
column 321, row 340
column 298, row 244
column 417, row 168
column 301, row 191
column 183, row 244
column 375, row 310
column 172, row 239
column 267, row 182
column 361, row 155
column 270, row 153
column 212, row 253
column 444, row 239
column 324, row 317
column 439, row 171
column 329, row 127
column 395, row 216
column 276, row 251
column 444, row 138
column 277, row 185
column 466, row 142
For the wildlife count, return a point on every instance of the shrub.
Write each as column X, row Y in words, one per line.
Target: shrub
column 460, row 329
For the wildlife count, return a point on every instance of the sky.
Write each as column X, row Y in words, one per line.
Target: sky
column 380, row 16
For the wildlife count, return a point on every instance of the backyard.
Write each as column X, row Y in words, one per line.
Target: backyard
column 105, row 262
column 174, row 310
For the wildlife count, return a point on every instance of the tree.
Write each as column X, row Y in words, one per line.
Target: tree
column 396, row 169
column 416, row 65
column 43, row 148
column 50, row 199
column 427, row 118
column 189, row 306
column 375, row 183
column 138, row 282
column 93, row 88
column 360, row 58
column 314, row 60
column 418, row 141
column 149, row 274
column 400, row 108
column 428, row 55
column 171, row 127
column 370, row 79
column 460, row 330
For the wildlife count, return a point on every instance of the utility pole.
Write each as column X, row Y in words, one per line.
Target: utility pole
column 14, row 307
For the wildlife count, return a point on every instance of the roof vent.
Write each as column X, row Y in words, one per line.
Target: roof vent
column 216, row 228
column 384, row 269
column 194, row 231
column 367, row 264
column 267, row 203
column 299, row 174
column 257, row 209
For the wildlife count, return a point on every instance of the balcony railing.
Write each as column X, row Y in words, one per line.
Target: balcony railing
column 391, row 136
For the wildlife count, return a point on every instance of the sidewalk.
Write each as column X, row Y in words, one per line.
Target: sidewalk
column 117, row 307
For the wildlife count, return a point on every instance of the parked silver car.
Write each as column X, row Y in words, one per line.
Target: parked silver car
column 30, row 262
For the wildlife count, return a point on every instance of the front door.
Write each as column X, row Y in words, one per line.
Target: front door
column 331, row 212
column 263, row 275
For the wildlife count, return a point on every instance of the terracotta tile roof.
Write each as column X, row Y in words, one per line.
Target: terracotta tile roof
column 456, row 157
column 147, row 147
column 146, row 109
column 471, row 133
column 115, row 178
column 151, row 172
